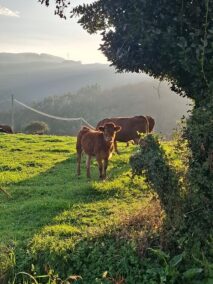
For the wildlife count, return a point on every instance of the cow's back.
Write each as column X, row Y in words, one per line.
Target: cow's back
column 127, row 132
column 130, row 126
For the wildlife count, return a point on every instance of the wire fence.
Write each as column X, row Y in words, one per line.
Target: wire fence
column 54, row 116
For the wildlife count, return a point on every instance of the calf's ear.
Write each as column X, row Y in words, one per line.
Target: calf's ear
column 118, row 128
column 101, row 128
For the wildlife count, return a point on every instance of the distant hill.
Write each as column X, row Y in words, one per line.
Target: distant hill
column 32, row 77
column 13, row 58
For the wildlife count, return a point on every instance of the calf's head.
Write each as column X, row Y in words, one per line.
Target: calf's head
column 109, row 131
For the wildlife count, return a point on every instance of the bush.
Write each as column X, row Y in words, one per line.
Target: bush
column 36, row 127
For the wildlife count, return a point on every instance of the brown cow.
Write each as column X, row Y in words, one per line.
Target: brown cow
column 130, row 126
column 5, row 129
column 96, row 143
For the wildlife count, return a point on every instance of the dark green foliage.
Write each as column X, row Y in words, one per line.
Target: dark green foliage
column 200, row 196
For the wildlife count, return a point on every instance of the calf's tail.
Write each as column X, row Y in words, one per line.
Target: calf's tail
column 151, row 123
column 147, row 124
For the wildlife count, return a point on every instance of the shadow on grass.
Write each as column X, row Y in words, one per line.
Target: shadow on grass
column 152, row 161
column 36, row 201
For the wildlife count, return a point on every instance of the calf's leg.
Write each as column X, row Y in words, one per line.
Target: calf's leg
column 116, row 147
column 105, row 167
column 78, row 163
column 88, row 166
column 100, row 167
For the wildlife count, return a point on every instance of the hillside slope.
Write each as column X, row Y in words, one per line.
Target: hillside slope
column 32, row 77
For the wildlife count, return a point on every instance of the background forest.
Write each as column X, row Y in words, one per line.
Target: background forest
column 93, row 104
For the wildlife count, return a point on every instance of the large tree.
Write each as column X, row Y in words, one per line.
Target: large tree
column 172, row 40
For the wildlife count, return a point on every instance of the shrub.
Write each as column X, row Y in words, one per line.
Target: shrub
column 36, row 127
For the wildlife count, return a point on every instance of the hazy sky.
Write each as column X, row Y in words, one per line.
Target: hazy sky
column 28, row 26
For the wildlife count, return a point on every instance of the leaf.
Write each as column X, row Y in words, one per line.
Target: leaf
column 175, row 260
column 190, row 273
column 159, row 253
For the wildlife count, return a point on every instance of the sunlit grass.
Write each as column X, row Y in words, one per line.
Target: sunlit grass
column 22, row 157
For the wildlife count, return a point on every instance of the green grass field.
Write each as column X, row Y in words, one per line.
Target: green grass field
column 51, row 218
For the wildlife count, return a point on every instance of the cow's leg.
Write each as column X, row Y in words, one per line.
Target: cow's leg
column 78, row 163
column 131, row 142
column 88, row 161
column 116, row 147
column 105, row 167
column 127, row 144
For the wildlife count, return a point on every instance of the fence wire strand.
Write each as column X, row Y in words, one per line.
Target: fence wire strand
column 54, row 116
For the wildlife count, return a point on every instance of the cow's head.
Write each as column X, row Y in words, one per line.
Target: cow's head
column 109, row 131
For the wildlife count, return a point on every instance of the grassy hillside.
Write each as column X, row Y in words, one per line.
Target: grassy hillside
column 55, row 223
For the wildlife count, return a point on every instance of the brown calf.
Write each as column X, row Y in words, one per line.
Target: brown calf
column 96, row 143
